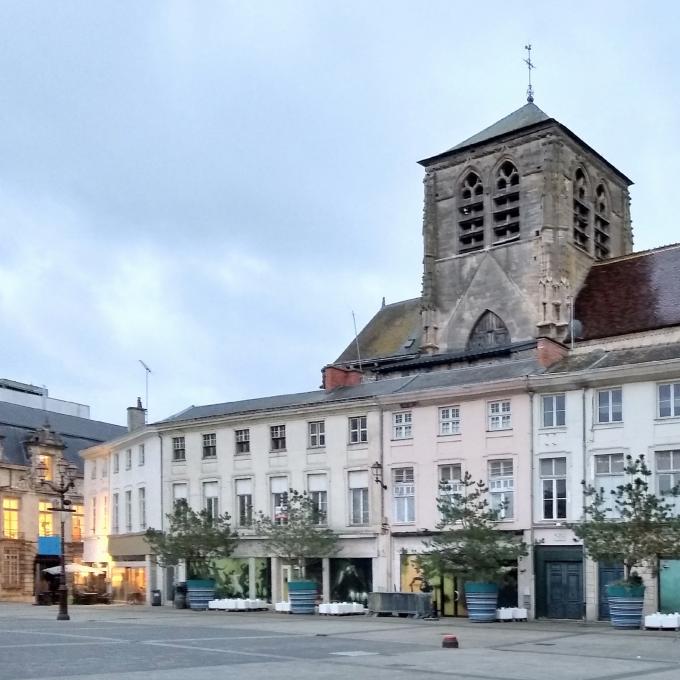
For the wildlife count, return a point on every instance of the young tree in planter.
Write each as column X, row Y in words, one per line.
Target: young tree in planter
column 298, row 532
column 195, row 537
column 470, row 544
column 635, row 526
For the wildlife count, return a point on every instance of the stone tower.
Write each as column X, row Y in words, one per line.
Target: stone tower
column 514, row 217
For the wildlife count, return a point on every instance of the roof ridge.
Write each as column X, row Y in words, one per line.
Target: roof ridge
column 48, row 414
column 639, row 253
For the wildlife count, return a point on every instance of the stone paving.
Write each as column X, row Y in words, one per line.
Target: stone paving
column 148, row 643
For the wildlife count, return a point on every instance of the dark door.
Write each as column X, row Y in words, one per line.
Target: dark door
column 607, row 573
column 564, row 596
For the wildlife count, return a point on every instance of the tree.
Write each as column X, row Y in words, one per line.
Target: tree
column 635, row 527
column 297, row 533
column 195, row 537
column 470, row 544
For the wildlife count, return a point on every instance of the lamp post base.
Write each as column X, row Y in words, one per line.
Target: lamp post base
column 63, row 604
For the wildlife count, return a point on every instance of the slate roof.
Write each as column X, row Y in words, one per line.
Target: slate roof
column 17, row 423
column 600, row 358
column 468, row 375
column 395, row 331
column 630, row 294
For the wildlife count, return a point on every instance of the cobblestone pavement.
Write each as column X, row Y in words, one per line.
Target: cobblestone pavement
column 148, row 643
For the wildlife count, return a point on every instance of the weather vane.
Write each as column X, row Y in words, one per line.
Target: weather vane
column 530, row 65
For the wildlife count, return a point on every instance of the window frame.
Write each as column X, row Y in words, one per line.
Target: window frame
column 362, row 494
column 449, row 420
column 673, row 399
column 554, row 411
column 115, row 512
column 277, row 438
column 179, row 450
column 127, row 510
column 360, row 427
column 402, row 425
column 211, row 503
column 116, row 463
column 404, row 495
column 553, row 478
column 500, row 416
column 501, row 485
column 11, row 516
column 209, row 446
column 242, row 441
column 247, row 505
column 141, row 507
column 316, row 434
column 141, row 455
column 610, row 406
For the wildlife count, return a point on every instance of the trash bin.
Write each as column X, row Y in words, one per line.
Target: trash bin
column 156, row 598
column 180, row 599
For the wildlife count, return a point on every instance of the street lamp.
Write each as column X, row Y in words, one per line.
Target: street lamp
column 377, row 471
column 66, row 474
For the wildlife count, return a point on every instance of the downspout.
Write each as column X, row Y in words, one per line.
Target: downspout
column 383, row 528
column 165, row 572
column 583, row 496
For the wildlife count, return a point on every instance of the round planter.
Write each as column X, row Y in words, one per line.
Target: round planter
column 481, row 599
column 625, row 605
column 302, row 596
column 200, row 592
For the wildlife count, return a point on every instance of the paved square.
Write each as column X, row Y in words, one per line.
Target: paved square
column 146, row 643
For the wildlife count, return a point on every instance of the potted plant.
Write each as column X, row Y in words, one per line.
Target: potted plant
column 633, row 526
column 197, row 538
column 471, row 546
column 297, row 533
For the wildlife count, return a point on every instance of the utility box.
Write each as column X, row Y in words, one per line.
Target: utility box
column 417, row 605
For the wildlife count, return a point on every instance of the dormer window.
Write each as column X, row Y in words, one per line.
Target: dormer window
column 471, row 214
column 506, row 204
column 601, row 223
column 48, row 462
column 581, row 211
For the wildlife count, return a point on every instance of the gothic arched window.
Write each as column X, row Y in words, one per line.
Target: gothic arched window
column 581, row 211
column 601, row 223
column 488, row 332
column 506, row 204
column 471, row 213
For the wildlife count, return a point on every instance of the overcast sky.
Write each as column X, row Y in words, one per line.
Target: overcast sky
column 213, row 187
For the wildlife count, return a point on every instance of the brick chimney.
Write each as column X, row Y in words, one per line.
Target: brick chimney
column 136, row 416
column 335, row 376
column 549, row 352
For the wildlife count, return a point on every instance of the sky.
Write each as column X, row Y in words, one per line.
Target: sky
column 214, row 187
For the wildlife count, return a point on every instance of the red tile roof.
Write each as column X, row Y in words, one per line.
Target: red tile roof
column 630, row 294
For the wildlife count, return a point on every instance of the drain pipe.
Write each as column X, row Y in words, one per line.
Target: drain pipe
column 583, row 497
column 532, row 500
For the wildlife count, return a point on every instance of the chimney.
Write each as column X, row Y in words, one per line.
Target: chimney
column 136, row 417
column 335, row 376
column 549, row 352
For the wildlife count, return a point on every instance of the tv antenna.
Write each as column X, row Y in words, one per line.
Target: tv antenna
column 530, row 67
column 146, row 384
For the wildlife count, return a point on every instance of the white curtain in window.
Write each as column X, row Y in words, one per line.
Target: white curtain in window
column 211, row 489
column 179, row 492
column 279, row 484
column 358, row 479
column 316, row 483
column 244, row 487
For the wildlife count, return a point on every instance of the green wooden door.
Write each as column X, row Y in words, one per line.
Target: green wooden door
column 669, row 586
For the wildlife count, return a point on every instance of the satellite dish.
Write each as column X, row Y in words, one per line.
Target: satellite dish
column 575, row 330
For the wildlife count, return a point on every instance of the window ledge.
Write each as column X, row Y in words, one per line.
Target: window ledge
column 453, row 435
column 357, row 445
column 403, row 524
column 179, row 462
column 406, row 440
column 506, row 432
column 552, row 428
column 211, row 459
column 316, row 449
column 276, row 452
column 608, row 426
column 242, row 454
column 667, row 419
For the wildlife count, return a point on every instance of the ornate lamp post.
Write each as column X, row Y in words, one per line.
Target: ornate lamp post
column 66, row 476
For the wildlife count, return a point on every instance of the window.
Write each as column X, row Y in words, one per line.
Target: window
column 141, row 500
column 669, row 400
column 77, row 523
column 179, row 453
column 242, row 441
column 210, row 445
column 358, row 432
column 317, row 488
column 128, row 459
column 609, row 475
column 404, row 495
column 358, row 497
column 506, row 204
column 116, row 463
column 401, row 425
column 105, row 468
column 211, row 500
column 128, row 510
column 450, row 477
column 179, row 493
column 115, row 510
column 502, row 487
column 93, row 517
column 317, row 434
column 45, row 519
column 93, row 469
column 553, row 410
column 609, row 406
column 141, row 455
column 471, row 214
column 554, row 487
column 489, row 332
column 278, row 437
column 449, row 420
column 48, row 462
column 601, row 223
column 105, row 513
column 11, row 574
column 668, row 473
column 244, row 502
column 499, row 415
column 10, row 518
column 279, row 499
column 581, row 215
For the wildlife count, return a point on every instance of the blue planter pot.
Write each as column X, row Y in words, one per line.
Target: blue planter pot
column 302, row 596
column 481, row 599
column 625, row 605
